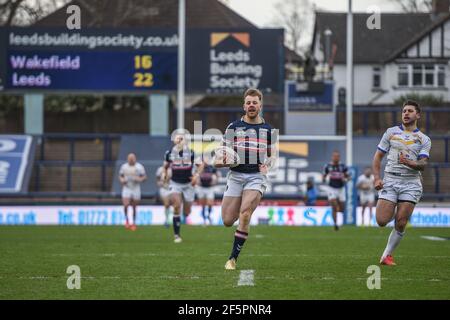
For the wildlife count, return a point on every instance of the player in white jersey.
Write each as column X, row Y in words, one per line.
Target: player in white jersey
column 366, row 192
column 164, row 192
column 131, row 175
column 408, row 151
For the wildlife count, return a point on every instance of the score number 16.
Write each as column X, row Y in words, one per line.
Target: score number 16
column 143, row 79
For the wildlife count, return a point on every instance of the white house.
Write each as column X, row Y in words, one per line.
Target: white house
column 410, row 53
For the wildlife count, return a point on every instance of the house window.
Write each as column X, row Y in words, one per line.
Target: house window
column 417, row 75
column 429, row 75
column 421, row 75
column 441, row 75
column 403, row 75
column 376, row 77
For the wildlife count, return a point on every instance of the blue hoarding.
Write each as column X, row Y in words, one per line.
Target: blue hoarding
column 14, row 151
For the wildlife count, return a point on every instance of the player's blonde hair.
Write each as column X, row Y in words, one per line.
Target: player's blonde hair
column 253, row 93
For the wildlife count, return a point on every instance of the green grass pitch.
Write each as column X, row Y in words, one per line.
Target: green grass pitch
column 288, row 263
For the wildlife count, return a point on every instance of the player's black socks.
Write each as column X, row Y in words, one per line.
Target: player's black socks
column 209, row 211
column 176, row 225
column 239, row 240
column 204, row 212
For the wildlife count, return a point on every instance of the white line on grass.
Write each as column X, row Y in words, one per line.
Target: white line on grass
column 291, row 255
column 432, row 238
column 246, row 278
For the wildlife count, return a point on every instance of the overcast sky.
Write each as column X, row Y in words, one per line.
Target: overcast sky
column 260, row 12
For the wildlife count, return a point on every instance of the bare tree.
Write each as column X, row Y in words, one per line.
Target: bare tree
column 25, row 12
column 415, row 5
column 293, row 16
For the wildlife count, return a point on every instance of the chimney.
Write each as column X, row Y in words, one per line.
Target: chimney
column 440, row 7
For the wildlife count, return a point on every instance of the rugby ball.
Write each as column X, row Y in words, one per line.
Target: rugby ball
column 226, row 155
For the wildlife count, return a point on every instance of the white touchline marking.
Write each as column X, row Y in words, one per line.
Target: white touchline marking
column 36, row 278
column 432, row 238
column 246, row 278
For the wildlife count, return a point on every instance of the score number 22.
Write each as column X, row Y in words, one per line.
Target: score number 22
column 143, row 79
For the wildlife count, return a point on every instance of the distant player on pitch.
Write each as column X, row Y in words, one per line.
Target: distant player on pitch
column 337, row 173
column 205, row 191
column 251, row 140
column 366, row 189
column 408, row 151
column 180, row 159
column 131, row 175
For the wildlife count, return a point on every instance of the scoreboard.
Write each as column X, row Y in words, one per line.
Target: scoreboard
column 139, row 60
column 55, row 59
column 96, row 70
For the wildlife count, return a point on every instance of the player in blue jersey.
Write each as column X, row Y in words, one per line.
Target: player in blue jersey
column 251, row 139
column 180, row 159
column 338, row 176
column 205, row 192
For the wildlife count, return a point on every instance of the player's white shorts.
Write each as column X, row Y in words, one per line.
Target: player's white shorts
column 186, row 189
column 164, row 192
column 401, row 188
column 205, row 193
column 366, row 198
column 336, row 193
column 237, row 182
column 131, row 193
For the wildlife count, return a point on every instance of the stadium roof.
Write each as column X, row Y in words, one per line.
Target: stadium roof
column 376, row 45
column 149, row 13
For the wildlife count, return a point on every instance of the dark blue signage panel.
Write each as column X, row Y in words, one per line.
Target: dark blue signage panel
column 217, row 60
column 14, row 151
column 313, row 96
column 224, row 61
column 94, row 70
column 88, row 60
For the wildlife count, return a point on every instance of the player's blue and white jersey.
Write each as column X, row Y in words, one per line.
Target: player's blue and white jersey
column 206, row 176
column 413, row 144
column 181, row 162
column 252, row 142
column 336, row 174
